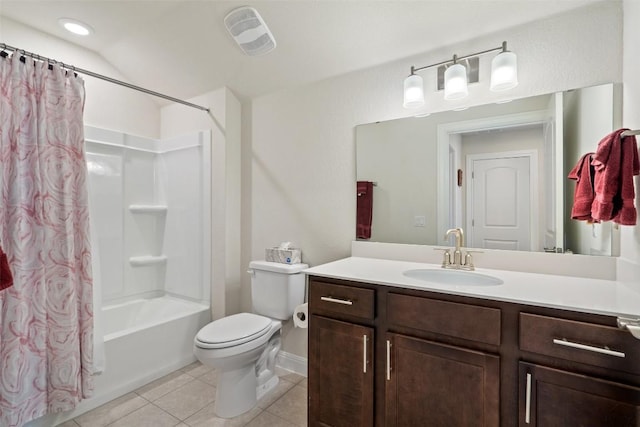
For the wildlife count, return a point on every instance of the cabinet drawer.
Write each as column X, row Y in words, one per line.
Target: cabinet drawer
column 328, row 298
column 588, row 343
column 470, row 322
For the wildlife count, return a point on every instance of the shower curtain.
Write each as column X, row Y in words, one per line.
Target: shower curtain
column 46, row 347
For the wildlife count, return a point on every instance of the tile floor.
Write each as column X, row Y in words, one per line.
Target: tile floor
column 185, row 398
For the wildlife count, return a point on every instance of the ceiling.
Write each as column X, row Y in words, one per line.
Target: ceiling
column 181, row 47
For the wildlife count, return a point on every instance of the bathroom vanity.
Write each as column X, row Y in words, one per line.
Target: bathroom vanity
column 386, row 349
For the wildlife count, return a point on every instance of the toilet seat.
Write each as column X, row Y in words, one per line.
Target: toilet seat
column 233, row 330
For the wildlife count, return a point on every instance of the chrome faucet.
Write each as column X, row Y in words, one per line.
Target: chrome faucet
column 458, row 260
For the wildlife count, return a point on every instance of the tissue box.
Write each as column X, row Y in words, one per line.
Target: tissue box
column 284, row 256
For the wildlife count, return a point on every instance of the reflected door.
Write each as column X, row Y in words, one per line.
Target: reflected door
column 500, row 203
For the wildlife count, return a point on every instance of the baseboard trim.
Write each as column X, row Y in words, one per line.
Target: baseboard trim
column 292, row 362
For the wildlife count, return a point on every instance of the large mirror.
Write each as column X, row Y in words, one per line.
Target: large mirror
column 498, row 171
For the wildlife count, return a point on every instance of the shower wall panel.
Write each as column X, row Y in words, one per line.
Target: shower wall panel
column 106, row 207
column 150, row 209
column 183, row 238
column 142, row 237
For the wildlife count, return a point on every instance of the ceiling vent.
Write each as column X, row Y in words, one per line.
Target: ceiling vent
column 249, row 30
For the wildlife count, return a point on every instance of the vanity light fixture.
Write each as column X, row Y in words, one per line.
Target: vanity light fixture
column 76, row 27
column 504, row 70
column 504, row 76
column 413, row 91
column 455, row 81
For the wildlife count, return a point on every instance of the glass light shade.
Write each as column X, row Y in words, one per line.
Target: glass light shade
column 413, row 92
column 455, row 82
column 504, row 72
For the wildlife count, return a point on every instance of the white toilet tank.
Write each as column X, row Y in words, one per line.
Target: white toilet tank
column 276, row 289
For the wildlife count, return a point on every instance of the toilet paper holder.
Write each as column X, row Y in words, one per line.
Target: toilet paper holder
column 301, row 316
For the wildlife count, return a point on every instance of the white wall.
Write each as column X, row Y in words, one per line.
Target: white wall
column 107, row 105
column 630, row 236
column 302, row 168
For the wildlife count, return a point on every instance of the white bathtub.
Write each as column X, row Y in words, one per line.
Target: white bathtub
column 144, row 340
column 133, row 316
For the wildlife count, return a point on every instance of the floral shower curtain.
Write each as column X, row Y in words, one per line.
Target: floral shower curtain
column 46, row 347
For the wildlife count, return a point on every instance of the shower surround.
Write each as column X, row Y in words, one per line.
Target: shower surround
column 150, row 227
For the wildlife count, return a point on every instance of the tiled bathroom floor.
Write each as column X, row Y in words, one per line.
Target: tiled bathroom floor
column 185, row 398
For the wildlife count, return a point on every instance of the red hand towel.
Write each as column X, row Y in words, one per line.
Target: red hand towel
column 6, row 279
column 583, row 194
column 606, row 162
column 364, row 210
column 615, row 162
column 630, row 166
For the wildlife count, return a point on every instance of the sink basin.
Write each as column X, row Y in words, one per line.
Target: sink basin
column 453, row 277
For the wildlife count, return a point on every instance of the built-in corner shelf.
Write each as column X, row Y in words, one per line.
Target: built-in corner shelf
column 144, row 260
column 151, row 209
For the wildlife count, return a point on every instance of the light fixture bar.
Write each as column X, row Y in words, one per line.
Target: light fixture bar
column 460, row 58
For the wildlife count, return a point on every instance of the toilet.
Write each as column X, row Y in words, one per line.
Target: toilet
column 243, row 347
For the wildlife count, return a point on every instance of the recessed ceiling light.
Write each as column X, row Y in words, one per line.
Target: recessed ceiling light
column 76, row 27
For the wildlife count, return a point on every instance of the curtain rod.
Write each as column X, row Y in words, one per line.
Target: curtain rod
column 23, row 52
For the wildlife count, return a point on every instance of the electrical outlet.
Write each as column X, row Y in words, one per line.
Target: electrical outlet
column 419, row 221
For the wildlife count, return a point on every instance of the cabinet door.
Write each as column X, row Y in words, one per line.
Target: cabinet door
column 433, row 384
column 340, row 373
column 551, row 397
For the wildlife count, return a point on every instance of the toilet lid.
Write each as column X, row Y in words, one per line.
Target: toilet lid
column 233, row 330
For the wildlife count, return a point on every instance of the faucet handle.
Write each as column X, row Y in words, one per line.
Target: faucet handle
column 468, row 261
column 446, row 260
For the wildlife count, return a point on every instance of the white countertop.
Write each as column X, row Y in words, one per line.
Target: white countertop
column 597, row 296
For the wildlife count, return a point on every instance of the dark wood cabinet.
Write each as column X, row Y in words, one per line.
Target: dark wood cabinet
column 561, row 397
column 435, row 359
column 555, row 398
column 435, row 384
column 340, row 373
column 342, row 361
